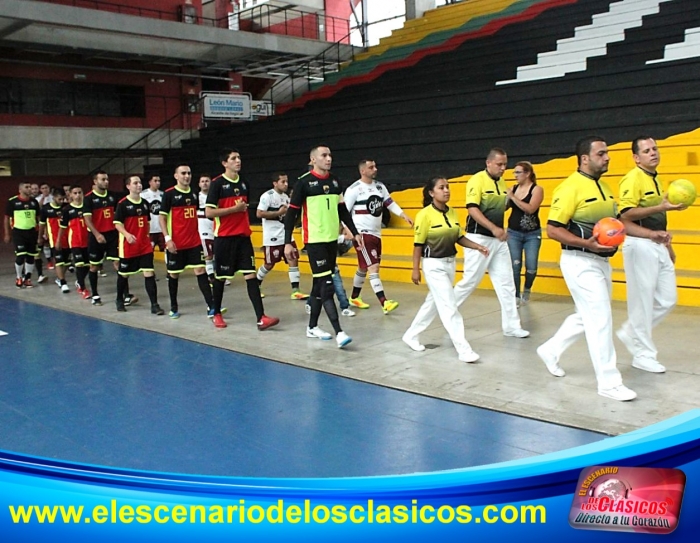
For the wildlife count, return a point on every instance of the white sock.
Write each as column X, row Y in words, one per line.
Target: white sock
column 209, row 266
column 29, row 269
column 294, row 275
column 19, row 268
column 359, row 280
column 375, row 282
column 262, row 272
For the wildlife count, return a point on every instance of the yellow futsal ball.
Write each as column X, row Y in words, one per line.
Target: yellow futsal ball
column 682, row 191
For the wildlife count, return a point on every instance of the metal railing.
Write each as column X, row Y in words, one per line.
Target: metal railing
column 275, row 19
column 165, row 136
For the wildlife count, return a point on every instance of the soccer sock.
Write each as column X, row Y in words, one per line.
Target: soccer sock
column 19, row 269
column 358, row 282
column 92, row 275
column 377, row 287
column 29, row 267
column 209, row 266
column 205, row 289
column 173, row 283
column 151, row 289
column 262, row 272
column 315, row 303
column 47, row 253
column 122, row 287
column 254, row 295
column 80, row 273
column 327, row 292
column 39, row 266
column 218, row 294
column 294, row 277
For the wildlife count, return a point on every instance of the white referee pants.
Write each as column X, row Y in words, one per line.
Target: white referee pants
column 439, row 274
column 651, row 291
column 500, row 269
column 589, row 279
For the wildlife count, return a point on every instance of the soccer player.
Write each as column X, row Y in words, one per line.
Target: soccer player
column 648, row 254
column 227, row 204
column 178, row 222
column 50, row 229
column 73, row 220
column 206, row 226
column 21, row 217
column 135, row 250
column 271, row 209
column 318, row 196
column 578, row 203
column 103, row 239
column 154, row 196
column 366, row 199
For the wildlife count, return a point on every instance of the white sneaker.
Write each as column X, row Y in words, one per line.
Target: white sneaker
column 316, row 332
column 41, row 279
column 550, row 361
column 648, row 364
column 58, row 282
column 65, row 288
column 620, row 393
column 347, row 312
column 518, row 332
column 627, row 341
column 342, row 339
column 413, row 343
column 469, row 357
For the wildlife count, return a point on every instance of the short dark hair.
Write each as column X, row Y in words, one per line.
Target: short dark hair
column 635, row 143
column 430, row 185
column 583, row 146
column 174, row 169
column 276, row 176
column 495, row 151
column 204, row 175
column 364, row 161
column 129, row 177
column 98, row 172
column 75, row 186
column 315, row 147
column 225, row 153
column 56, row 191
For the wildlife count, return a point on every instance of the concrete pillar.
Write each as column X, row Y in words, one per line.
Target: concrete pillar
column 416, row 8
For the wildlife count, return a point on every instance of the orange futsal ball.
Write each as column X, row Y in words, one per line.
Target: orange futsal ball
column 611, row 232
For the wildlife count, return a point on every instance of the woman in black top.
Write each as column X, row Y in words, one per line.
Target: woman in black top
column 524, row 230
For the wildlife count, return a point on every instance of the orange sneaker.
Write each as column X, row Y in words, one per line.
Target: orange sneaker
column 267, row 322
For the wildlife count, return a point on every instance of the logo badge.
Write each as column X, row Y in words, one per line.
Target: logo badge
column 624, row 499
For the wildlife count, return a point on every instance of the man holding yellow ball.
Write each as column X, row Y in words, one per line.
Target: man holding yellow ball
column 648, row 254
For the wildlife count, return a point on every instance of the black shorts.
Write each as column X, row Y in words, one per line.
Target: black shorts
column 62, row 257
column 184, row 259
column 322, row 257
column 233, row 254
column 25, row 242
column 130, row 266
column 98, row 251
column 80, row 256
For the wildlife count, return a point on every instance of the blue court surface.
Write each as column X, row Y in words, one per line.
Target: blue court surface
column 86, row 390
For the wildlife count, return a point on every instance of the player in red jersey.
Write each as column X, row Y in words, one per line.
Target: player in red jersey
column 72, row 219
column 50, row 228
column 227, row 205
column 135, row 250
column 180, row 227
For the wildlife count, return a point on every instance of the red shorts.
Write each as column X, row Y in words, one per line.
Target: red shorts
column 208, row 248
column 372, row 252
column 275, row 253
column 158, row 240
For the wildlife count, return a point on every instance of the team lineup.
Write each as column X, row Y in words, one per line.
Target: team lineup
column 209, row 232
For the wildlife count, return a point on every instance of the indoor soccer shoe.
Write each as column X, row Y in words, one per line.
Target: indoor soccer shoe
column 157, row 310
column 357, row 302
column 317, row 333
column 219, row 321
column 267, row 322
column 298, row 295
column 389, row 306
column 342, row 339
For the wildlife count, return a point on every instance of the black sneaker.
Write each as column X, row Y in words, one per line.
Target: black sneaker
column 130, row 299
column 157, row 310
column 120, row 306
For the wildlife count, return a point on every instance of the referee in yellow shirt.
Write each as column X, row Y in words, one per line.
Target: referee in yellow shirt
column 577, row 204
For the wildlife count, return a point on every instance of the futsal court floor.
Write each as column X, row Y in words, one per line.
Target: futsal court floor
column 88, row 384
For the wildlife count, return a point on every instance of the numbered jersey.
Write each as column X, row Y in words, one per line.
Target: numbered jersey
column 366, row 202
column 100, row 207
column 273, row 229
column 318, row 198
column 155, row 201
column 180, row 210
column 134, row 216
column 73, row 220
column 225, row 193
column 23, row 213
column 51, row 219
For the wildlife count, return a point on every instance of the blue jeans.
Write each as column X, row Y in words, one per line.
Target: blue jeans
column 530, row 243
column 339, row 290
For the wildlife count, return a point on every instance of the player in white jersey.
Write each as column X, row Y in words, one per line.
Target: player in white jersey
column 206, row 226
column 271, row 209
column 154, row 196
column 366, row 200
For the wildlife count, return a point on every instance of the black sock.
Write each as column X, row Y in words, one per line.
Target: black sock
column 332, row 312
column 172, row 290
column 218, row 294
column 315, row 303
column 254, row 295
column 151, row 289
column 122, row 288
column 38, row 263
column 80, row 273
column 355, row 292
column 205, row 289
column 92, row 275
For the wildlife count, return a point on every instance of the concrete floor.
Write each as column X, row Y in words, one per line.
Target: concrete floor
column 508, row 378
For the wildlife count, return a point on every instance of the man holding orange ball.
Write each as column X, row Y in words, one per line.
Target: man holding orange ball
column 648, row 254
column 577, row 205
